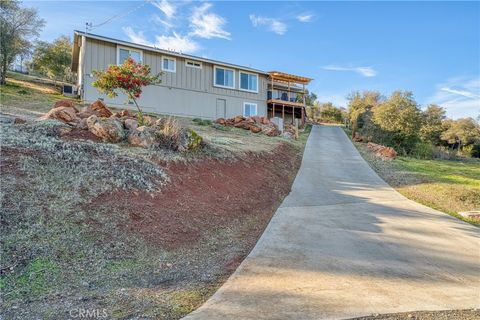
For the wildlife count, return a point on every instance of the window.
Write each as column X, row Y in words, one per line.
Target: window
column 248, row 82
column 249, row 109
column 124, row 53
column 223, row 77
column 193, row 64
column 169, row 64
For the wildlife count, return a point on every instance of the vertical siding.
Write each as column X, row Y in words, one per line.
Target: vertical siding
column 189, row 91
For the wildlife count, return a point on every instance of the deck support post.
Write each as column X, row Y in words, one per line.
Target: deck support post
column 273, row 111
column 283, row 112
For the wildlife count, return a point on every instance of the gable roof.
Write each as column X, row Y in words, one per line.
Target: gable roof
column 75, row 58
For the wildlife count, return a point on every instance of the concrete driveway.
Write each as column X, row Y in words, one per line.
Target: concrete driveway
column 344, row 244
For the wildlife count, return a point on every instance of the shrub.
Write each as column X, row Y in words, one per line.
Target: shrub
column 129, row 78
column 169, row 134
column 423, row 150
column 472, row 150
column 201, row 122
column 220, row 127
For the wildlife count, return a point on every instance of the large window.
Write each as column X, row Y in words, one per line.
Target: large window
column 124, row 53
column 249, row 109
column 224, row 77
column 248, row 82
column 169, row 64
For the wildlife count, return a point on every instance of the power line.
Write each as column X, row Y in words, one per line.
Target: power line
column 90, row 26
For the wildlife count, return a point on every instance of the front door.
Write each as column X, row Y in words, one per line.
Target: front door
column 221, row 108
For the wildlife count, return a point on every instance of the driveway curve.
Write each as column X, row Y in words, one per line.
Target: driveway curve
column 345, row 244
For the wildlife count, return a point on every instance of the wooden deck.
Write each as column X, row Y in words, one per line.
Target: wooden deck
column 279, row 102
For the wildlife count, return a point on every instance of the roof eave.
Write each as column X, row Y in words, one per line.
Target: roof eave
column 172, row 53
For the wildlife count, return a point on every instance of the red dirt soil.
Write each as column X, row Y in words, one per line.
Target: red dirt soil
column 77, row 133
column 208, row 194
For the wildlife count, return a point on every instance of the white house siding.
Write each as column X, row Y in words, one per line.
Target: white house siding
column 188, row 92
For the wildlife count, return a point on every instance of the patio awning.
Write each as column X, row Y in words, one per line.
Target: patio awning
column 281, row 76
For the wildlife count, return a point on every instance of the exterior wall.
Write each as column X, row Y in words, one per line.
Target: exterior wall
column 187, row 92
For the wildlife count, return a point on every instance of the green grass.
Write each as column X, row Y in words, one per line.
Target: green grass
column 452, row 172
column 37, row 279
column 449, row 186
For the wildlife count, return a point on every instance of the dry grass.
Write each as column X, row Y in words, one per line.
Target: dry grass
column 446, row 185
column 66, row 253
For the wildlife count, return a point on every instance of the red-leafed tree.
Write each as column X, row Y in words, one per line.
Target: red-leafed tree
column 129, row 78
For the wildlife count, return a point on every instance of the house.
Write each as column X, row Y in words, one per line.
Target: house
column 191, row 86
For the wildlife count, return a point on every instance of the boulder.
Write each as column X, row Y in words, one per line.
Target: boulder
column 109, row 130
column 264, row 120
column 99, row 108
column 238, row 119
column 146, row 137
column 250, row 120
column 257, row 119
column 82, row 124
column 124, row 114
column 242, row 125
column 255, row 128
column 130, row 124
column 221, row 121
column 386, row 153
column 64, row 114
column 271, row 130
column 189, row 140
column 65, row 103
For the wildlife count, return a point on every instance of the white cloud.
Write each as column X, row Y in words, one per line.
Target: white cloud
column 459, row 96
column 305, row 17
column 205, row 24
column 364, row 71
column 136, row 37
column 175, row 42
column 463, row 93
column 166, row 7
column 159, row 21
column 271, row 24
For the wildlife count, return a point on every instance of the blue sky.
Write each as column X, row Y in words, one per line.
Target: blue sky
column 430, row 48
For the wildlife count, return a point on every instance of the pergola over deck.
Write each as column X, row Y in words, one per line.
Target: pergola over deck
column 291, row 86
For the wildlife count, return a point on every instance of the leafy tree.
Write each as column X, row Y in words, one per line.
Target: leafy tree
column 129, row 78
column 359, row 107
column 461, row 132
column 432, row 128
column 328, row 112
column 310, row 98
column 53, row 59
column 399, row 117
column 17, row 27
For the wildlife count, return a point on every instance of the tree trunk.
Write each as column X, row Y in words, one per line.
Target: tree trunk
column 3, row 71
column 354, row 128
column 136, row 104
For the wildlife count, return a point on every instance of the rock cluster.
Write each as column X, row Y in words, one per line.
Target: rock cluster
column 255, row 124
column 111, row 127
column 386, row 153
